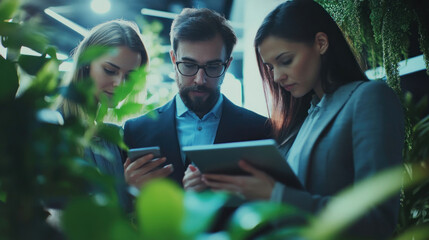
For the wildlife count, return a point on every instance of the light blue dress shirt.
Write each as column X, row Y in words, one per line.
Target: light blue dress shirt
column 294, row 155
column 191, row 130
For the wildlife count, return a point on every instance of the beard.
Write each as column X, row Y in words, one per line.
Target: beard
column 198, row 104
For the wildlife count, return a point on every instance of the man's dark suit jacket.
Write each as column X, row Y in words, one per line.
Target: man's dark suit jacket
column 158, row 128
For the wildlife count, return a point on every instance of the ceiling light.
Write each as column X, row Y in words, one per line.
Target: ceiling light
column 100, row 6
column 157, row 13
column 82, row 31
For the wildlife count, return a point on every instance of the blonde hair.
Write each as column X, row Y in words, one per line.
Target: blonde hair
column 113, row 33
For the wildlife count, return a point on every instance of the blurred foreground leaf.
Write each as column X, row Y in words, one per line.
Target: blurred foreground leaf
column 160, row 210
column 94, row 52
column 9, row 82
column 132, row 86
column 32, row 64
column 251, row 217
column 201, row 209
column 15, row 35
column 84, row 218
column 354, row 202
column 415, row 233
column 111, row 133
column 8, row 8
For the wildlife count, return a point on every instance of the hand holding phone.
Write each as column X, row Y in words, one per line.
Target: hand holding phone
column 135, row 153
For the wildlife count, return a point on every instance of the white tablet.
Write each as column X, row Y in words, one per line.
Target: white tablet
column 223, row 159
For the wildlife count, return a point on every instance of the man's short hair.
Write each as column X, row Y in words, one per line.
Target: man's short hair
column 200, row 25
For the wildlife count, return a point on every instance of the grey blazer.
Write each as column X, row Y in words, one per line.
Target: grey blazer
column 360, row 133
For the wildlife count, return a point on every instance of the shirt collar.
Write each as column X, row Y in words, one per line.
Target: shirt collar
column 316, row 103
column 181, row 108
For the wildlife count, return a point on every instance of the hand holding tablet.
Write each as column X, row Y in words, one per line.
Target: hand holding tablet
column 223, row 159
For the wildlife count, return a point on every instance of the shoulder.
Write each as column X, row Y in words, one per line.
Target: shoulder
column 148, row 118
column 241, row 111
column 377, row 87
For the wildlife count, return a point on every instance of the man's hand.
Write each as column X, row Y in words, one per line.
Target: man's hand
column 141, row 171
column 192, row 179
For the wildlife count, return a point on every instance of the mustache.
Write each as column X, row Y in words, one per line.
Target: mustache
column 197, row 88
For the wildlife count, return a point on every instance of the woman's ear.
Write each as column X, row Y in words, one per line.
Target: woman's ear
column 321, row 42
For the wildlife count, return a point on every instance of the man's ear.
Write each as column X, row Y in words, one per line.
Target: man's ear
column 172, row 57
column 229, row 62
column 322, row 42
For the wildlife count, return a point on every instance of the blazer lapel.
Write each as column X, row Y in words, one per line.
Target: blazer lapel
column 227, row 122
column 169, row 139
column 334, row 102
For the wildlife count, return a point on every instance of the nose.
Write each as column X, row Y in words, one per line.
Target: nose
column 279, row 76
column 200, row 77
column 120, row 78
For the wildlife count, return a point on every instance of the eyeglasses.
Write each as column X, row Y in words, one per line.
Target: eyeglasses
column 212, row 70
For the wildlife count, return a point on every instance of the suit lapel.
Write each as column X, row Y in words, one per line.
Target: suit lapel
column 334, row 102
column 169, row 139
column 227, row 121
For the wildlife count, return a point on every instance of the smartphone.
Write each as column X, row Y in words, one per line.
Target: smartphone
column 135, row 153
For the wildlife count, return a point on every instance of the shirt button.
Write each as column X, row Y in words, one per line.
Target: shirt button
column 199, row 128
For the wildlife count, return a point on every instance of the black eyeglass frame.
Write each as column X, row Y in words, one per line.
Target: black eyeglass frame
column 225, row 64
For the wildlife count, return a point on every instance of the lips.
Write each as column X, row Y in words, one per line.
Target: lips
column 288, row 87
column 109, row 94
column 199, row 93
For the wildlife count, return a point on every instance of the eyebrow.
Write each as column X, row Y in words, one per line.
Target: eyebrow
column 113, row 65
column 281, row 54
column 193, row 60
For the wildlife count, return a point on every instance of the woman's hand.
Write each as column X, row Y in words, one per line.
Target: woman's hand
column 255, row 187
column 192, row 179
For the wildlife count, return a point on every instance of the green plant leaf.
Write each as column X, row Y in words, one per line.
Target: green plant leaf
column 251, row 217
column 94, row 52
column 201, row 209
column 15, row 35
column 9, row 80
column 160, row 210
column 89, row 219
column 127, row 109
column 47, row 78
column 134, row 85
column 32, row 64
column 415, row 233
column 8, row 8
column 111, row 133
column 362, row 196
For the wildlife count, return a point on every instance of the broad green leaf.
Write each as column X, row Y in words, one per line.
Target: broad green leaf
column 102, row 108
column 52, row 52
column 127, row 109
column 201, row 209
column 111, row 133
column 16, row 35
column 32, row 64
column 252, row 216
column 415, row 233
column 8, row 8
column 94, row 52
column 160, row 210
column 47, row 78
column 362, row 196
column 89, row 218
column 9, row 80
column 135, row 84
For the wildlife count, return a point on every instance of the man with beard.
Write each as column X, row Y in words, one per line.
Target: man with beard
column 202, row 42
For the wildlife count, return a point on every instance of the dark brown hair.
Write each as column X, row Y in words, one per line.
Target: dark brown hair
column 199, row 25
column 300, row 21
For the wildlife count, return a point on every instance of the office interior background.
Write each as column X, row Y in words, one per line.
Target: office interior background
column 66, row 22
